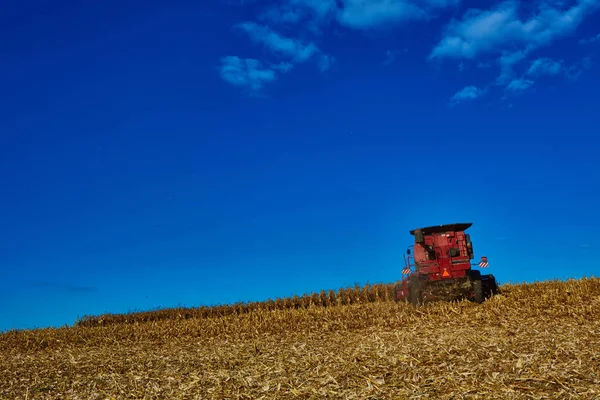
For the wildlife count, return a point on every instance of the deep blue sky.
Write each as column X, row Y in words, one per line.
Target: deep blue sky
column 156, row 154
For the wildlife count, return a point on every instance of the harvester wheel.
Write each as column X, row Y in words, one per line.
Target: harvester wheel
column 495, row 289
column 414, row 290
column 492, row 285
column 477, row 286
column 475, row 275
column 478, row 294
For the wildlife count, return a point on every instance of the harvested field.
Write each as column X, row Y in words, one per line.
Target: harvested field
column 533, row 341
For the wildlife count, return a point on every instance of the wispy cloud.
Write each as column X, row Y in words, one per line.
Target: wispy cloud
column 501, row 29
column 590, row 40
column 467, row 93
column 239, row 2
column 283, row 66
column 353, row 14
column 366, row 14
column 574, row 71
column 320, row 10
column 278, row 44
column 310, row 15
column 544, row 66
column 325, row 61
column 284, row 15
column 506, row 33
column 294, row 50
column 507, row 62
column 248, row 73
column 391, row 55
column 370, row 14
column 519, row 85
column 253, row 74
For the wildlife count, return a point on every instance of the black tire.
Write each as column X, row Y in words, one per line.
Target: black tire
column 414, row 291
column 475, row 275
column 477, row 285
column 490, row 285
column 493, row 285
column 478, row 295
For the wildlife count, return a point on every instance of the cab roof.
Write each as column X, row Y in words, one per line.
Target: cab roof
column 460, row 226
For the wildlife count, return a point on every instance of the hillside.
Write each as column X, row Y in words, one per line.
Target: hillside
column 533, row 341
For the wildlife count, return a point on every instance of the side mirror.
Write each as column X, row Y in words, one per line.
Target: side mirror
column 408, row 251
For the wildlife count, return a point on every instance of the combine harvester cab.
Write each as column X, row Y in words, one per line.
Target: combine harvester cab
column 440, row 268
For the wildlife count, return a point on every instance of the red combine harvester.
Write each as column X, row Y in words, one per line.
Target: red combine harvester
column 441, row 267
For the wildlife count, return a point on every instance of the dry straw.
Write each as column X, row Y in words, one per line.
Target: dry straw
column 534, row 341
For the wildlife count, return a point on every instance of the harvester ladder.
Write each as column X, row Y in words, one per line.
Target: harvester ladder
column 407, row 264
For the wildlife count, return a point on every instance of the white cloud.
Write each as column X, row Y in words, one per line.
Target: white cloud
column 278, row 44
column 246, row 72
column 325, row 62
column 575, row 70
column 590, row 40
column 390, row 57
column 368, row 14
column 507, row 62
column 320, row 9
column 353, row 14
column 293, row 49
column 467, row 93
column 441, row 3
column 284, row 15
column 519, row 85
column 501, row 29
column 364, row 14
column 283, row 66
column 510, row 34
column 479, row 31
column 544, row 66
column 310, row 14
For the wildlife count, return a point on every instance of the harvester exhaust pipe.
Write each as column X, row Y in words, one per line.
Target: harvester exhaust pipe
column 419, row 237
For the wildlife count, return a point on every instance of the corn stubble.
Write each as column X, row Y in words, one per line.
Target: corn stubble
column 533, row 341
